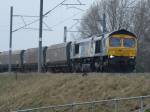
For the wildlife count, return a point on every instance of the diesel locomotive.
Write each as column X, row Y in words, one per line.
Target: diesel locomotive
column 114, row 51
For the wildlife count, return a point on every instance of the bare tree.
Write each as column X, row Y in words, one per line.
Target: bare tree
column 118, row 12
column 141, row 28
column 133, row 15
column 90, row 24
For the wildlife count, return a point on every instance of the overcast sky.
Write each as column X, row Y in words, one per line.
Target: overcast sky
column 24, row 39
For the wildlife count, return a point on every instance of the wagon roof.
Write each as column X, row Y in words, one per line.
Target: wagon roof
column 58, row 45
column 4, row 53
column 34, row 49
column 17, row 52
column 13, row 52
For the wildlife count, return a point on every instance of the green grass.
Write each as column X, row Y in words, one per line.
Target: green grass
column 148, row 110
column 34, row 90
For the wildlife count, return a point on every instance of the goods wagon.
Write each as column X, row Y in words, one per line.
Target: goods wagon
column 4, row 60
column 30, row 61
column 58, row 57
column 17, row 60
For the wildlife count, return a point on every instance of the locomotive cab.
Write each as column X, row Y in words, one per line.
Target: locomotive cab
column 122, row 49
column 122, row 45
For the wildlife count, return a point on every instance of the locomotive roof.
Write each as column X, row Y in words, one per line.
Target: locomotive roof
column 88, row 39
column 122, row 31
column 58, row 45
column 83, row 40
column 107, row 35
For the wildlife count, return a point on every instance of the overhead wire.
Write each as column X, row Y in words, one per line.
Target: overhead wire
column 37, row 29
column 54, row 8
column 47, row 26
column 79, row 1
column 25, row 16
column 77, row 8
column 23, row 20
column 45, row 16
column 38, row 19
column 25, row 25
column 73, row 25
column 61, row 22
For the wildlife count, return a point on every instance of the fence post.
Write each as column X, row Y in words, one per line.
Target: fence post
column 92, row 107
column 141, row 104
column 72, row 107
column 116, row 105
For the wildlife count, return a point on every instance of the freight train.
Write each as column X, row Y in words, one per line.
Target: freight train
column 114, row 51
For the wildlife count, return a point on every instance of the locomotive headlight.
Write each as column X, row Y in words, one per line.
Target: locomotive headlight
column 111, row 56
column 132, row 57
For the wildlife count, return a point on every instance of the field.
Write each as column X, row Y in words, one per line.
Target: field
column 34, row 90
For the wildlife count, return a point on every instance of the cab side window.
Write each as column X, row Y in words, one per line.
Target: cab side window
column 76, row 48
column 98, row 46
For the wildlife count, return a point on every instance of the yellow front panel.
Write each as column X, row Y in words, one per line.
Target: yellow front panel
column 122, row 36
column 122, row 52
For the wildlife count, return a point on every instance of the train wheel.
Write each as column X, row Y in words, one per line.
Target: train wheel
column 101, row 68
column 131, row 68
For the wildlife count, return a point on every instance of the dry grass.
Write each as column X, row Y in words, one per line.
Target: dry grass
column 34, row 90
